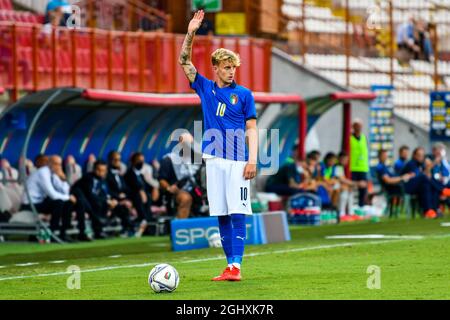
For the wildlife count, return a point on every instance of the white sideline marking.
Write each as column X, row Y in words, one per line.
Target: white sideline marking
column 445, row 224
column 26, row 264
column 57, row 261
column 115, row 256
column 1, row 267
column 373, row 236
column 201, row 260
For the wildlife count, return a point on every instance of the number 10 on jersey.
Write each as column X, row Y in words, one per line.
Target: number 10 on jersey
column 221, row 109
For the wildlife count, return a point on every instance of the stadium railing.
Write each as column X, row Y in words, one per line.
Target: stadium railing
column 130, row 61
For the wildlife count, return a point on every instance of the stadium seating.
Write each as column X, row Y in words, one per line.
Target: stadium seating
column 20, row 16
column 412, row 83
column 6, row 5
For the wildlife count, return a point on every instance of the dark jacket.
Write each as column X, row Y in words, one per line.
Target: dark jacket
column 95, row 191
column 136, row 182
column 116, row 185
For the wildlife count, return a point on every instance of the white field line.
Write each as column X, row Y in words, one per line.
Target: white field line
column 374, row 236
column 148, row 264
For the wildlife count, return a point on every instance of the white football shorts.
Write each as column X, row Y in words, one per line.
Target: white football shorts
column 228, row 191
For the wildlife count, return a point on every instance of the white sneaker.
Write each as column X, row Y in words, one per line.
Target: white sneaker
column 141, row 229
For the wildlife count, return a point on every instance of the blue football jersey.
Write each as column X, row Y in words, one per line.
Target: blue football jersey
column 225, row 112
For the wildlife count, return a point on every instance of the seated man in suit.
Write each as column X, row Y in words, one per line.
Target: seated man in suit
column 140, row 192
column 118, row 191
column 49, row 193
column 98, row 203
column 177, row 177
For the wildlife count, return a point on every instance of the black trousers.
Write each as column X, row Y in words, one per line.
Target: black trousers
column 362, row 192
column 123, row 213
column 143, row 209
column 59, row 210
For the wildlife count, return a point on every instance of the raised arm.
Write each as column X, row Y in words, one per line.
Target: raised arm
column 186, row 50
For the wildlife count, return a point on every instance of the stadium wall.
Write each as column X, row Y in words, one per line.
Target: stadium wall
column 326, row 134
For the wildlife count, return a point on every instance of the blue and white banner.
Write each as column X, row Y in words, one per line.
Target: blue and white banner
column 381, row 125
column 440, row 116
column 188, row 234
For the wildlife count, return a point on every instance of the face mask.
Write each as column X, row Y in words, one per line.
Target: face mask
column 139, row 165
column 443, row 153
column 300, row 169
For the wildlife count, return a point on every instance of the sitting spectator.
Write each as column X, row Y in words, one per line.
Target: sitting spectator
column 177, row 177
column 423, row 185
column 345, row 186
column 98, row 203
column 441, row 168
column 11, row 184
column 293, row 178
column 390, row 182
column 62, row 5
column 73, row 170
column 89, row 164
column 41, row 160
column 55, row 18
column 140, row 191
column 5, row 203
column 10, row 174
column 118, row 190
column 49, row 194
column 406, row 44
column 149, row 177
column 423, row 41
column 314, row 157
column 29, row 168
column 403, row 156
column 328, row 175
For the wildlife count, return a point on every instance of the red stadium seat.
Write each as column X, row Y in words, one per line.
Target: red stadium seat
column 6, row 5
column 83, row 61
column 44, row 61
column 64, row 64
column 101, row 62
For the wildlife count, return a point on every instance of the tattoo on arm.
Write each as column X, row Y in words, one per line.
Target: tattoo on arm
column 185, row 57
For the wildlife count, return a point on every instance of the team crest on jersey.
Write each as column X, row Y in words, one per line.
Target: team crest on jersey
column 233, row 98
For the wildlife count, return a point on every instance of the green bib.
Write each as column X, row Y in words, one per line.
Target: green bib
column 359, row 154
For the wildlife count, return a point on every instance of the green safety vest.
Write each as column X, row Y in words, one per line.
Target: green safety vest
column 359, row 154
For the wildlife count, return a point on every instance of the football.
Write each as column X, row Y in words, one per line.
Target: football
column 214, row 241
column 163, row 278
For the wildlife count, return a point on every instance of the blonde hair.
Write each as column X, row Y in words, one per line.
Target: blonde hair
column 223, row 54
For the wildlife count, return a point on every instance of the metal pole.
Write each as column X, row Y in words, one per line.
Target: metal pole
column 23, row 153
column 391, row 35
column 346, row 131
column 303, row 33
column 347, row 44
column 302, row 129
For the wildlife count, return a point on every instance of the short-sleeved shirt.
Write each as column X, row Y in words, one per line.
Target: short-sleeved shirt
column 413, row 166
column 225, row 113
column 383, row 170
column 398, row 165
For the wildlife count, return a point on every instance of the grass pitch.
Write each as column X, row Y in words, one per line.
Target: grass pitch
column 413, row 265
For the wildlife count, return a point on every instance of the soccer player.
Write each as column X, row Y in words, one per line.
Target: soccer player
column 229, row 115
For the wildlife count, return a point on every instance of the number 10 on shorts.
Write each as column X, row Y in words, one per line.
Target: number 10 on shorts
column 244, row 193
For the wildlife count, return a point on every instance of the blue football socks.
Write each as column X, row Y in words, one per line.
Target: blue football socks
column 238, row 238
column 226, row 233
